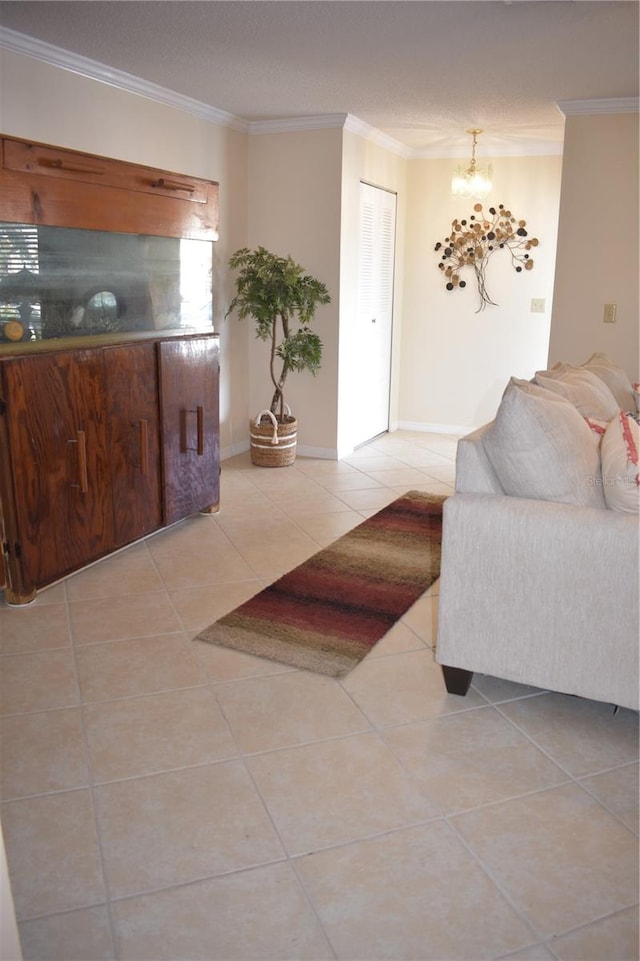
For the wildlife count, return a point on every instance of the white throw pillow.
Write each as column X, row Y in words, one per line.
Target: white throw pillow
column 615, row 377
column 620, row 471
column 540, row 447
column 584, row 389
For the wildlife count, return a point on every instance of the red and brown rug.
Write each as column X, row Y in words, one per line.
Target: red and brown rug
column 327, row 614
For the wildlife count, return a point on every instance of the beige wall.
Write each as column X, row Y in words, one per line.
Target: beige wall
column 304, row 201
column 51, row 105
column 598, row 242
column 294, row 208
column 455, row 362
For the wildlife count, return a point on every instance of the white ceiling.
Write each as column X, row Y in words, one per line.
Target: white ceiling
column 420, row 72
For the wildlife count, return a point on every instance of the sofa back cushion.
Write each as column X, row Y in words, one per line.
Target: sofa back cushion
column 616, row 379
column 584, row 389
column 540, row 447
column 474, row 472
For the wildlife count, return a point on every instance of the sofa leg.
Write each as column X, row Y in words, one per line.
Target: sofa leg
column 457, row 680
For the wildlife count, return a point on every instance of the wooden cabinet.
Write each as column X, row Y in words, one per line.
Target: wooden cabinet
column 101, row 446
column 43, row 184
column 107, row 433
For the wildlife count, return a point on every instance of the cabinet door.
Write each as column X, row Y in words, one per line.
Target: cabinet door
column 190, row 425
column 61, row 472
column 133, row 434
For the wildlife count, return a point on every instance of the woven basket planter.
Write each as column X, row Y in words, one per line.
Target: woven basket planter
column 273, row 439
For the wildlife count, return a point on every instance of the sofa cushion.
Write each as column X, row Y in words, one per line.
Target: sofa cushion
column 584, row 389
column 620, row 470
column 540, row 447
column 616, row 379
column 474, row 472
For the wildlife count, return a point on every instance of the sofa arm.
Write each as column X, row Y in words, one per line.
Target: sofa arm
column 541, row 593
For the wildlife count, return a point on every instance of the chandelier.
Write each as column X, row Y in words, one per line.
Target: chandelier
column 471, row 182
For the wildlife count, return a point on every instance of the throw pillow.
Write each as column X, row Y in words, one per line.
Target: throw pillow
column 585, row 390
column 540, row 447
column 615, row 377
column 620, row 471
column 597, row 428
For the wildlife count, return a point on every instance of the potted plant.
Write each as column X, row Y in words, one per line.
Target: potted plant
column 282, row 299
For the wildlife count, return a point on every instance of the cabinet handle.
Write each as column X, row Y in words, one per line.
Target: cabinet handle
column 37, row 206
column 73, row 168
column 144, row 447
column 172, row 185
column 83, row 478
column 199, row 412
column 200, row 426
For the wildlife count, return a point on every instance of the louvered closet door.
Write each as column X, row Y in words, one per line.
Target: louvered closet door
column 375, row 310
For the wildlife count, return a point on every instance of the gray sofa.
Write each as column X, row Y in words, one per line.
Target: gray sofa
column 539, row 570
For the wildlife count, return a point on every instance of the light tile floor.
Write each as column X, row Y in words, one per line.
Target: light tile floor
column 166, row 799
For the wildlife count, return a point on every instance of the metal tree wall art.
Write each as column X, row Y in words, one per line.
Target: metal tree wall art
column 471, row 242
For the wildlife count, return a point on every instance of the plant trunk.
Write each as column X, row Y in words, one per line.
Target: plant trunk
column 277, row 401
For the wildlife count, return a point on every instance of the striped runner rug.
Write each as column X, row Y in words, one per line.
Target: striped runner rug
column 328, row 613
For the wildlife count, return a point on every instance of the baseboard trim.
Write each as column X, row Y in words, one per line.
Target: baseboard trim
column 458, row 429
column 328, row 453
column 233, row 449
column 322, row 453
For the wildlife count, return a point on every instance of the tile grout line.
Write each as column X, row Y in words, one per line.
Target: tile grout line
column 571, row 778
column 538, row 937
column 113, row 934
column 287, row 857
column 91, row 793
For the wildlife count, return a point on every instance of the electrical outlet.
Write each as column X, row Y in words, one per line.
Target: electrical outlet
column 609, row 314
column 537, row 305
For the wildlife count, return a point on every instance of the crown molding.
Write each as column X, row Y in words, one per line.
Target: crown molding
column 66, row 60
column 92, row 69
column 344, row 121
column 575, row 108
column 324, row 121
column 365, row 130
